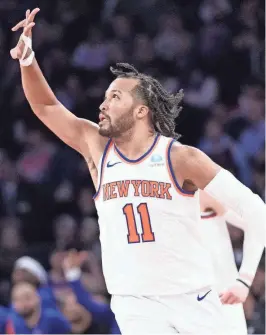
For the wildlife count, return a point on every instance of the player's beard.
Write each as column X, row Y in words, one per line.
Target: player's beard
column 119, row 127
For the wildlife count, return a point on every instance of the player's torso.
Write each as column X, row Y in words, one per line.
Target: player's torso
column 217, row 239
column 148, row 226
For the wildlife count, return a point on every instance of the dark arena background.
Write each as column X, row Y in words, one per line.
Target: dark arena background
column 213, row 49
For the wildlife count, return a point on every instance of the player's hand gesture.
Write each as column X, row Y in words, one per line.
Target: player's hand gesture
column 27, row 24
column 74, row 259
column 236, row 294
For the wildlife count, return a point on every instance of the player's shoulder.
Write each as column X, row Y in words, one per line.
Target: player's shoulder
column 183, row 152
column 185, row 160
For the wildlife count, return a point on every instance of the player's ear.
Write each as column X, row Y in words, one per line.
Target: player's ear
column 142, row 111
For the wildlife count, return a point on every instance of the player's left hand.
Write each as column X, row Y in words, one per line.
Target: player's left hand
column 236, row 294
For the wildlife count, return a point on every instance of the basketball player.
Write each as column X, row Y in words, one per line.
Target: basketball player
column 216, row 235
column 155, row 263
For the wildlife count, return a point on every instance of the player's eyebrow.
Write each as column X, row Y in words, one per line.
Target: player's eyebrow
column 112, row 91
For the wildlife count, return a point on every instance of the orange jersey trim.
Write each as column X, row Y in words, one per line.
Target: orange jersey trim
column 171, row 172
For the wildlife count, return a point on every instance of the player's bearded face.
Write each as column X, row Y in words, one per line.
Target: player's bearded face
column 116, row 124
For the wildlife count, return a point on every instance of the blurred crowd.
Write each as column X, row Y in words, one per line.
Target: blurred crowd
column 213, row 49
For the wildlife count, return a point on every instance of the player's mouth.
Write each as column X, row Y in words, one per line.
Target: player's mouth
column 101, row 117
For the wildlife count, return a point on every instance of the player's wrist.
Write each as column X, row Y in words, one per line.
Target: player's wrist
column 27, row 53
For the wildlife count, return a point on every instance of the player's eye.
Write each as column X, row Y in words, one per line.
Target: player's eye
column 115, row 96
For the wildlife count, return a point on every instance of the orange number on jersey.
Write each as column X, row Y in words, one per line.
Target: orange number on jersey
column 133, row 235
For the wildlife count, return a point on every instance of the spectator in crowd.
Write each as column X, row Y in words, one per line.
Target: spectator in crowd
column 34, row 162
column 28, row 317
column 11, row 244
column 101, row 316
column 65, row 230
column 29, row 270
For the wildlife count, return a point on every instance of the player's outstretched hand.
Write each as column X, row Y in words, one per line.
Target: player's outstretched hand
column 74, row 259
column 27, row 24
column 236, row 294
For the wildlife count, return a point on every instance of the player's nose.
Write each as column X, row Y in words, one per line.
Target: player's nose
column 103, row 107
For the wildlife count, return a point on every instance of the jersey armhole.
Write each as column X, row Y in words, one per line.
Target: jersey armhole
column 101, row 170
column 178, row 188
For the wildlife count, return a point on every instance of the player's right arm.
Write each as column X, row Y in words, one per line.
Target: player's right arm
column 78, row 133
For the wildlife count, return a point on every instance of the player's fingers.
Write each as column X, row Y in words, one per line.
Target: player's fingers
column 225, row 297
column 19, row 25
column 29, row 18
column 231, row 300
column 33, row 14
column 27, row 30
column 27, row 14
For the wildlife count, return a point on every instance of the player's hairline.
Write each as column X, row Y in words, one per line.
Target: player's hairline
column 131, row 91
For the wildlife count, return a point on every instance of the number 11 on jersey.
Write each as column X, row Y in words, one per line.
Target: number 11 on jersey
column 133, row 235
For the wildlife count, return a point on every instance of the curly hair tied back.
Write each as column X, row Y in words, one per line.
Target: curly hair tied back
column 164, row 107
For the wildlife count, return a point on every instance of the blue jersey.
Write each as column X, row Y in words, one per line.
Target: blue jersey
column 47, row 297
column 51, row 322
column 3, row 318
column 101, row 313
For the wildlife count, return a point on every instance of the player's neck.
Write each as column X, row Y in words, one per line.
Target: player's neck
column 135, row 144
column 33, row 320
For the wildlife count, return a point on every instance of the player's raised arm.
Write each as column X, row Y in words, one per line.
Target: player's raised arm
column 200, row 170
column 77, row 133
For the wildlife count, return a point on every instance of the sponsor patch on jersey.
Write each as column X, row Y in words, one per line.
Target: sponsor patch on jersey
column 156, row 160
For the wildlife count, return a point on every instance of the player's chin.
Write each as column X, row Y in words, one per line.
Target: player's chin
column 104, row 131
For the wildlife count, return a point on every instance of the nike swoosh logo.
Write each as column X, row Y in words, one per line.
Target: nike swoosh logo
column 204, row 296
column 111, row 165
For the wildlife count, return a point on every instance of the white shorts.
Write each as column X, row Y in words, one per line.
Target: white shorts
column 182, row 313
column 236, row 318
